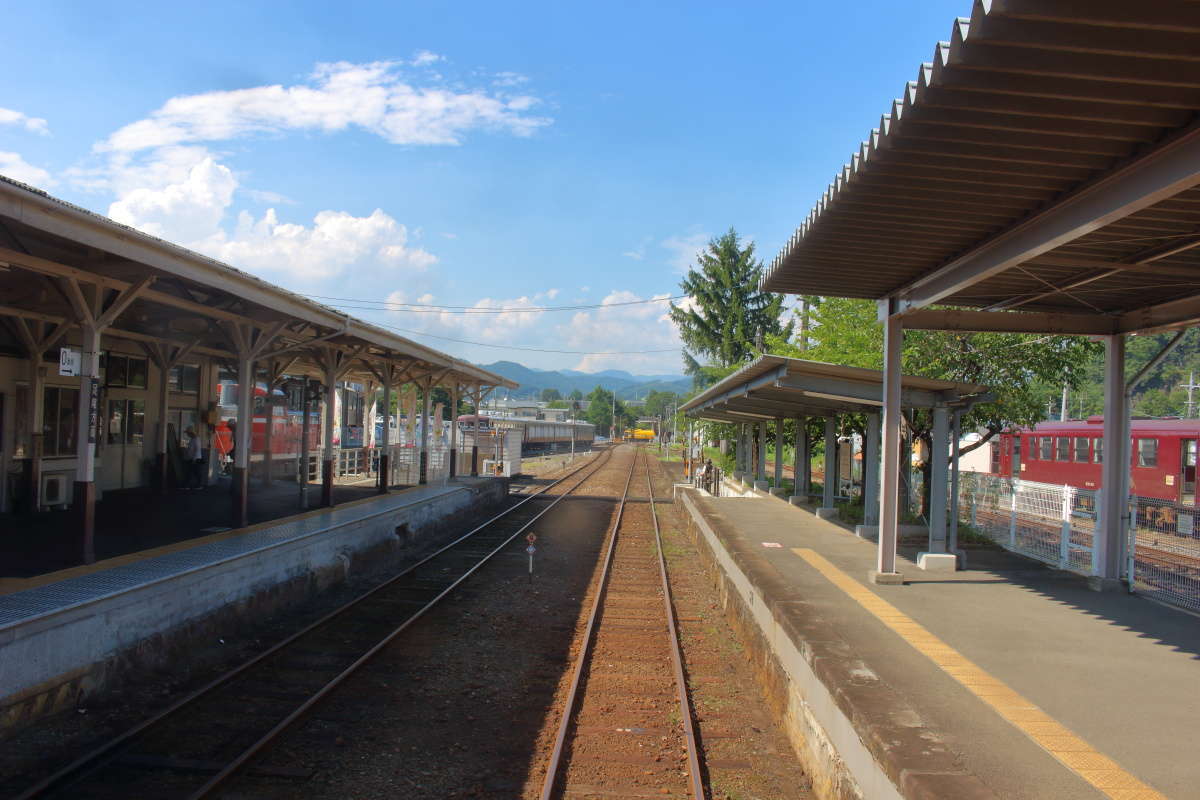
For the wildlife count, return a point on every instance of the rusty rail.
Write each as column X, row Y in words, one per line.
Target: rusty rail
column 549, row 783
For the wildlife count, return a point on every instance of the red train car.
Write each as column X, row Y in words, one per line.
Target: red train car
column 1162, row 461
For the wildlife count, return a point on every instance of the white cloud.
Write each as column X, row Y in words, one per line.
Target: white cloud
column 627, row 330
column 186, row 210
column 683, row 249
column 31, row 124
column 509, row 79
column 17, row 168
column 423, row 58
column 374, row 97
column 335, row 241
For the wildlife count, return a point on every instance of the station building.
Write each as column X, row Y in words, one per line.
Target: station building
column 114, row 343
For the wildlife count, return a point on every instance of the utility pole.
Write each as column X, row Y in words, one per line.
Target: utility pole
column 612, row 429
column 1062, row 412
column 574, row 405
column 1191, row 386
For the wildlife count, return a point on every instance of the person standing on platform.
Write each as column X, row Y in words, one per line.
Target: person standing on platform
column 195, row 461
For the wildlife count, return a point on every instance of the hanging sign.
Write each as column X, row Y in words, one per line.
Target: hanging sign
column 69, row 361
column 93, row 409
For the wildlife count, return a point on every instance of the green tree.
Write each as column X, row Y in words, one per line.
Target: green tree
column 575, row 395
column 727, row 314
column 600, row 411
column 659, row 404
column 550, row 394
column 1015, row 368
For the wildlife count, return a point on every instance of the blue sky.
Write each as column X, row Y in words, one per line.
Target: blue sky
column 472, row 154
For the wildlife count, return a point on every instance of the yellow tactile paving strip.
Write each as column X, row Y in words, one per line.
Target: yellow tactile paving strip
column 1070, row 750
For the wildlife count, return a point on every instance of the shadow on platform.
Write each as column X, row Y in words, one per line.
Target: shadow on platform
column 132, row 520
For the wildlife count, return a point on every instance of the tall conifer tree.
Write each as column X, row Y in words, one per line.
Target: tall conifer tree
column 727, row 314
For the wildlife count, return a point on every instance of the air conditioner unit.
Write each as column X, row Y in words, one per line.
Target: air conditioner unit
column 56, row 489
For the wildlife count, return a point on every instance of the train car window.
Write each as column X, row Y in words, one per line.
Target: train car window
column 995, row 459
column 1064, row 449
column 1147, row 452
column 1047, row 448
column 1082, row 449
column 1098, row 451
column 1033, row 447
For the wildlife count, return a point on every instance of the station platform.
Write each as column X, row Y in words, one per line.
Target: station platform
column 132, row 520
column 1007, row 679
column 67, row 633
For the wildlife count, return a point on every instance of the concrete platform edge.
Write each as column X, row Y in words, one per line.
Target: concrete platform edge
column 55, row 659
column 856, row 740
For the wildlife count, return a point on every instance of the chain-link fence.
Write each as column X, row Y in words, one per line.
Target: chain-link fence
column 1163, row 559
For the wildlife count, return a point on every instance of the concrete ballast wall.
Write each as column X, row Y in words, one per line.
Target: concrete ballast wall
column 50, row 662
column 831, row 748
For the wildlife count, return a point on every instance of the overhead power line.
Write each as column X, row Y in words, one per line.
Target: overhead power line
column 531, row 349
column 361, row 304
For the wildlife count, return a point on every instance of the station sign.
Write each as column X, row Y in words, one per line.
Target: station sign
column 69, row 362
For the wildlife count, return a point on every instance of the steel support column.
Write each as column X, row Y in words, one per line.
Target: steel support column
column 778, row 452
column 327, row 455
column 88, row 410
column 885, row 565
column 426, row 425
column 308, row 394
column 385, row 450
column 1110, row 539
column 939, row 474
column 454, row 430
column 760, row 459
column 871, row 470
column 242, row 439
column 799, row 458
column 829, row 488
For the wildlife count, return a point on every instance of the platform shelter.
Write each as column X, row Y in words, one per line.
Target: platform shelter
column 773, row 391
column 1040, row 175
column 111, row 337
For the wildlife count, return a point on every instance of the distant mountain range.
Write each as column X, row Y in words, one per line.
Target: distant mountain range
column 627, row 386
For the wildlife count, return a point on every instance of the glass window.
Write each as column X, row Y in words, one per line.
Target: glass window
column 135, row 422
column 117, row 370
column 116, row 422
column 184, row 378
column 1098, row 450
column 1047, row 448
column 1082, row 446
column 1064, row 449
column 1033, row 447
column 59, row 421
column 138, row 369
column 1147, row 452
column 995, row 459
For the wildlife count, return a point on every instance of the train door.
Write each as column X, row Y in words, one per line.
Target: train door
column 1187, row 469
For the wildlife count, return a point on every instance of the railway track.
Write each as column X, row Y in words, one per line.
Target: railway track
column 198, row 744
column 626, row 724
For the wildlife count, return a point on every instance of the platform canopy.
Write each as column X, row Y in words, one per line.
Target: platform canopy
column 1040, row 175
column 1044, row 164
column 772, row 387
column 60, row 264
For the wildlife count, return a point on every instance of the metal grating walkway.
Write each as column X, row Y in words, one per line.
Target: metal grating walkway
column 21, row 607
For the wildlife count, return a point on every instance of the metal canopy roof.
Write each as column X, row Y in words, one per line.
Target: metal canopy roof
column 774, row 386
column 194, row 301
column 1047, row 161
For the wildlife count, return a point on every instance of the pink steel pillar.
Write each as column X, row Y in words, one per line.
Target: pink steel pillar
column 893, row 338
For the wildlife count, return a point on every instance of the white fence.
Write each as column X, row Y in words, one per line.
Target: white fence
column 1057, row 525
